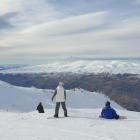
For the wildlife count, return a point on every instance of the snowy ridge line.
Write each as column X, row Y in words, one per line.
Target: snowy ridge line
column 106, row 66
column 21, row 99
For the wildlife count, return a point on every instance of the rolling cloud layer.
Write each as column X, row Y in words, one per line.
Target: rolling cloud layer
column 37, row 30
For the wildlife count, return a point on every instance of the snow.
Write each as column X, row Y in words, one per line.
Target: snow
column 82, row 66
column 84, row 125
column 13, row 98
column 22, row 122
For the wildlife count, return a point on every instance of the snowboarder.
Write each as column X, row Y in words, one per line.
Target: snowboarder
column 108, row 112
column 60, row 98
column 40, row 108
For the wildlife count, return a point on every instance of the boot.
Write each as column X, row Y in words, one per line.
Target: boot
column 56, row 116
column 65, row 115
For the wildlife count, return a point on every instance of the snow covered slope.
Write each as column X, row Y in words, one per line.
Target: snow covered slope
column 113, row 67
column 82, row 125
column 21, row 99
column 15, row 99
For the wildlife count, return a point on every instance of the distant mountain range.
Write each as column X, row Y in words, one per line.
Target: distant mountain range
column 11, row 66
column 80, row 67
column 119, row 80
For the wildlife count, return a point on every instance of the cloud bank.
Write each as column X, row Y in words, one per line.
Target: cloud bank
column 42, row 29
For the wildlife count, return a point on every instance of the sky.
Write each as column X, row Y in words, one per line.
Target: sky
column 35, row 31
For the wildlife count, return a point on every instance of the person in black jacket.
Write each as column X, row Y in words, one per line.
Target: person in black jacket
column 40, row 108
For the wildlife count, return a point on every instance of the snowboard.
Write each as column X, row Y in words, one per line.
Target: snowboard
column 61, row 117
column 122, row 117
column 52, row 117
column 76, row 117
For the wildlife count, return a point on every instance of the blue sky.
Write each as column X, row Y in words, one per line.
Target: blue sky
column 35, row 31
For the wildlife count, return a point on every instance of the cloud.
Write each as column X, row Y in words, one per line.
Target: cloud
column 115, row 39
column 42, row 29
column 29, row 12
column 136, row 1
column 5, row 20
column 51, row 37
column 8, row 6
column 60, row 27
column 71, row 24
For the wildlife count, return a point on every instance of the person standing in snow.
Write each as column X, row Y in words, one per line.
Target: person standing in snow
column 40, row 108
column 60, row 98
column 108, row 112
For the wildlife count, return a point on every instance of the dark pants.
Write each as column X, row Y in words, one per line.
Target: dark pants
column 58, row 106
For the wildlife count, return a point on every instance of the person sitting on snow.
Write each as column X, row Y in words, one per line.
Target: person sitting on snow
column 60, row 98
column 108, row 112
column 40, row 108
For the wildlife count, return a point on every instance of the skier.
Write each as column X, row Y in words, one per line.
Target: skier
column 108, row 112
column 40, row 108
column 60, row 98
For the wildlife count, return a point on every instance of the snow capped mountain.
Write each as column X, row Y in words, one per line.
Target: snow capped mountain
column 102, row 66
column 21, row 99
column 8, row 67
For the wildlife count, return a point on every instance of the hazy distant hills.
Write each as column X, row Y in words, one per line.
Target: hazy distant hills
column 10, row 67
column 79, row 67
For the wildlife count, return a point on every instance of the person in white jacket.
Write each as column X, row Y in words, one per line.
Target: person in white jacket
column 60, row 98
